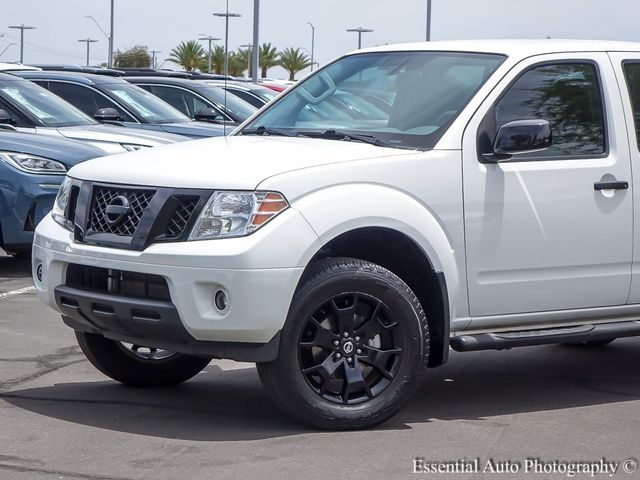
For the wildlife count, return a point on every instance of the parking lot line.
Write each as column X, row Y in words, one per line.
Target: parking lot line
column 19, row 291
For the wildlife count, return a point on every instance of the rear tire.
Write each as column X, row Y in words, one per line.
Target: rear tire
column 124, row 365
column 353, row 348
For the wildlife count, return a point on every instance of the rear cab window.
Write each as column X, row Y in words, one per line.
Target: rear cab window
column 632, row 77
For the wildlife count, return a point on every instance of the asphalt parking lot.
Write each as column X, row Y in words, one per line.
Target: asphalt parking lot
column 61, row 419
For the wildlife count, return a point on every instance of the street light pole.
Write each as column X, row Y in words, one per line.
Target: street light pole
column 226, row 16
column 360, row 31
column 313, row 41
column 88, row 41
column 428, row 20
column 106, row 35
column 110, row 60
column 7, row 48
column 248, row 46
column 153, row 57
column 210, row 39
column 22, row 27
column 256, row 40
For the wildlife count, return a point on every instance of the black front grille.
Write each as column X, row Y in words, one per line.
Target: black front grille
column 180, row 218
column 117, row 282
column 140, row 217
column 126, row 227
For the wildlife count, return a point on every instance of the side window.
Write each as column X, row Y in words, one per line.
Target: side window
column 569, row 97
column 85, row 99
column 247, row 97
column 20, row 118
column 179, row 99
column 632, row 74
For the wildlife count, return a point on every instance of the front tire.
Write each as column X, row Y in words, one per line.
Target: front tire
column 353, row 348
column 139, row 366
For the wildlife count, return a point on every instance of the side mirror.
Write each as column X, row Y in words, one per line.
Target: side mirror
column 522, row 136
column 5, row 118
column 208, row 115
column 107, row 115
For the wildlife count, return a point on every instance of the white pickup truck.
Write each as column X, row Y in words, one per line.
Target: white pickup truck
column 394, row 203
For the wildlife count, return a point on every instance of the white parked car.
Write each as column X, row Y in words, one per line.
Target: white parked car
column 399, row 201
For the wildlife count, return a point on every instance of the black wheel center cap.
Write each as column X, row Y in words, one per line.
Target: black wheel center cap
column 348, row 347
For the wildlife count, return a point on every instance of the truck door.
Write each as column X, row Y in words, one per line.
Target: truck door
column 626, row 66
column 541, row 232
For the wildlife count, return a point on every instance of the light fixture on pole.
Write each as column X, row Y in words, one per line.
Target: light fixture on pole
column 248, row 46
column 360, row 31
column 210, row 39
column 226, row 16
column 106, row 35
column 313, row 42
column 88, row 41
column 428, row 20
column 7, row 47
column 153, row 57
column 22, row 27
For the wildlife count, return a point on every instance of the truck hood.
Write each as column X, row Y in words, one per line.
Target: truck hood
column 117, row 134
column 237, row 162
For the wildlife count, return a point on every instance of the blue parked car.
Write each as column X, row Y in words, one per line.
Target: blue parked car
column 32, row 168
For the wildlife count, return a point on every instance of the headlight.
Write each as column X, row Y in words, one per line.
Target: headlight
column 234, row 214
column 131, row 147
column 60, row 204
column 33, row 163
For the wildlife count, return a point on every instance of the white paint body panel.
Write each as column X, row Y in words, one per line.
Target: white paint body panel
column 520, row 244
column 539, row 237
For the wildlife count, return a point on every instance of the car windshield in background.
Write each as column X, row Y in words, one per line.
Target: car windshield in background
column 265, row 94
column 403, row 99
column 236, row 107
column 145, row 104
column 47, row 107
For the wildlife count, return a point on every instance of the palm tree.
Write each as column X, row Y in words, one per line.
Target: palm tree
column 292, row 60
column 238, row 62
column 217, row 59
column 268, row 58
column 189, row 55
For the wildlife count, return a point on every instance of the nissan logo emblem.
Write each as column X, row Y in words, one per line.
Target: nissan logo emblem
column 117, row 210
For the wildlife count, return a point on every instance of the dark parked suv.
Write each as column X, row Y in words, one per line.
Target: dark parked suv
column 113, row 100
column 195, row 98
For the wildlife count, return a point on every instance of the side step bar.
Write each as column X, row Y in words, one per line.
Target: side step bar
column 526, row 338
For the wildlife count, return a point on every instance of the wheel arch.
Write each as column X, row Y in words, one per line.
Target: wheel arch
column 397, row 252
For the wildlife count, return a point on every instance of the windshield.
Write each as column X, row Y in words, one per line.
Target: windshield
column 236, row 108
column 48, row 108
column 404, row 99
column 265, row 94
column 144, row 104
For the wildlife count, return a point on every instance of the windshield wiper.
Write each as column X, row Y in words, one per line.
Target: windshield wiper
column 266, row 131
column 348, row 137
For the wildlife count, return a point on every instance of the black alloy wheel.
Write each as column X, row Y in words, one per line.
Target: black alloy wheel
column 350, row 348
column 353, row 347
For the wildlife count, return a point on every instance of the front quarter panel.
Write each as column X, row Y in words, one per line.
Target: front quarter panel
column 419, row 195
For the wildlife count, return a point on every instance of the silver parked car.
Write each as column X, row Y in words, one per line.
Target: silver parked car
column 27, row 107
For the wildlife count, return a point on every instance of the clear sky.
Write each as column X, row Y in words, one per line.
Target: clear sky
column 161, row 24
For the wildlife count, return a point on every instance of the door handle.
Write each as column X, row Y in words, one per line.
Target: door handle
column 611, row 185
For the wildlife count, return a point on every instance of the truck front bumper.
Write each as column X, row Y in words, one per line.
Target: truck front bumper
column 258, row 274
